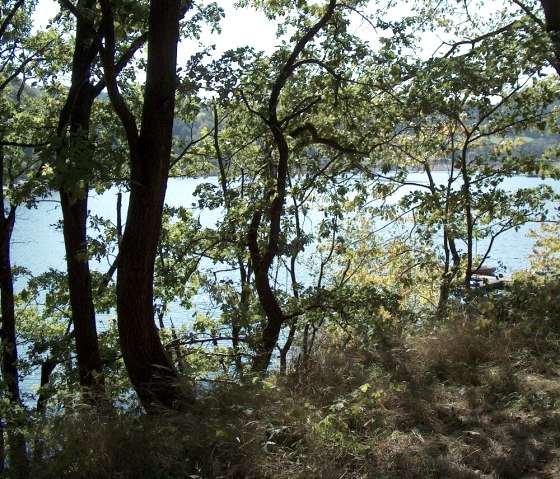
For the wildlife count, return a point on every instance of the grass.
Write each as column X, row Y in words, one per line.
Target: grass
column 463, row 399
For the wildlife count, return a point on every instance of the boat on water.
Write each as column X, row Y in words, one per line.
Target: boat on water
column 484, row 271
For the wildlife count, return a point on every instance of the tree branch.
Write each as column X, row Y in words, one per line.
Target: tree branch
column 23, row 144
column 529, row 12
column 473, row 41
column 289, row 66
column 9, row 17
column 309, row 128
column 107, row 53
column 136, row 44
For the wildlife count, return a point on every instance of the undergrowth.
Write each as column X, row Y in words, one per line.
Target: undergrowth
column 476, row 396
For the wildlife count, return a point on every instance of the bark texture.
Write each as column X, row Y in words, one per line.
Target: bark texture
column 150, row 369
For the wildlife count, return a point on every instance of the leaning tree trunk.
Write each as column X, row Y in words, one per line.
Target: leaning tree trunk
column 150, row 369
column 274, row 319
column 450, row 273
column 263, row 257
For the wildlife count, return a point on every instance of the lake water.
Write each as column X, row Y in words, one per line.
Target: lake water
column 38, row 243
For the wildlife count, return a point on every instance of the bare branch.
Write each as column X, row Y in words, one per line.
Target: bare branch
column 189, row 146
column 473, row 41
column 136, row 44
column 305, row 105
column 23, row 144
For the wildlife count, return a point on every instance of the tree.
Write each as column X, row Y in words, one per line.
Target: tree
column 76, row 168
column 264, row 233
column 73, row 151
column 317, row 91
column 471, row 113
column 149, row 367
column 20, row 53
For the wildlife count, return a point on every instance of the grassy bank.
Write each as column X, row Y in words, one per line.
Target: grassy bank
column 477, row 396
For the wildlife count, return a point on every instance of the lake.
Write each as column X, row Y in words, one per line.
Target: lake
column 38, row 243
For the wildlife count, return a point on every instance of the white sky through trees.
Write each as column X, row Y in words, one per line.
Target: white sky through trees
column 248, row 27
column 240, row 27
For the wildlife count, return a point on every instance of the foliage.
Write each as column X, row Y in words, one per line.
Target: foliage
column 435, row 402
column 545, row 258
column 333, row 242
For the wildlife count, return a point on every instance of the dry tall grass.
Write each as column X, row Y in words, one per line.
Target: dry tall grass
column 476, row 397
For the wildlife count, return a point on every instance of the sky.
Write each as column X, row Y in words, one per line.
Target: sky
column 240, row 28
column 248, row 27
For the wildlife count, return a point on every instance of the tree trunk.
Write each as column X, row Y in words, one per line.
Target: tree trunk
column 2, row 447
column 241, row 319
column 81, row 300
column 275, row 319
column 10, row 374
column 75, row 117
column 551, row 10
column 284, row 350
column 150, row 369
column 47, row 367
column 262, row 260
column 467, row 208
column 244, row 270
column 449, row 274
